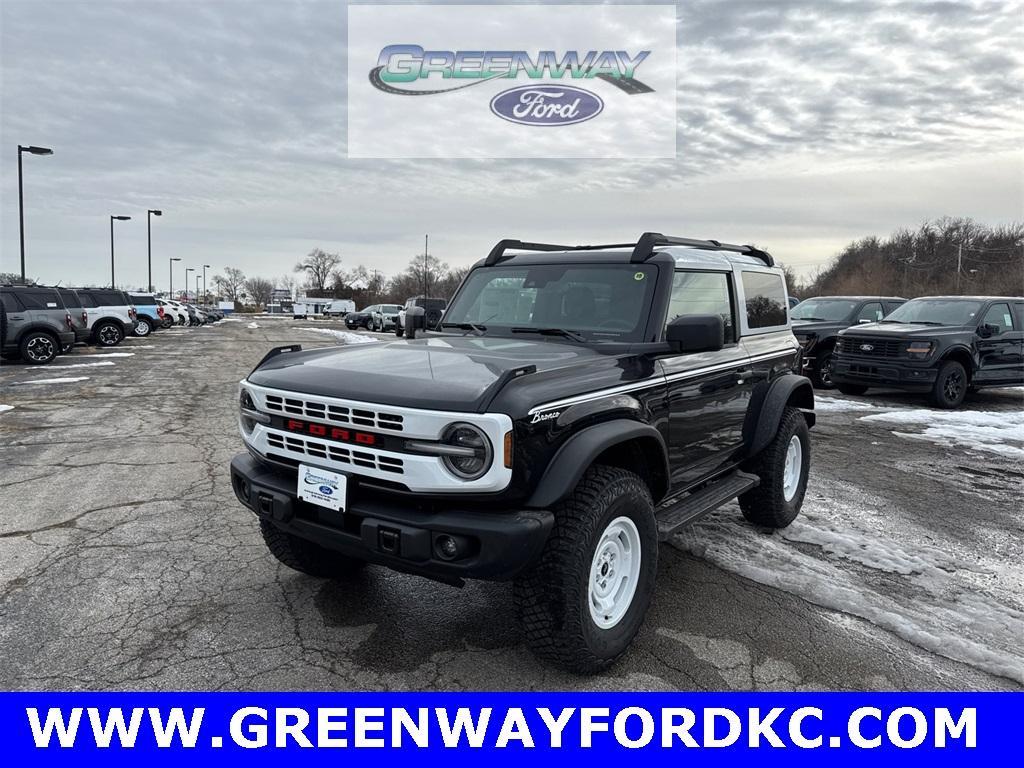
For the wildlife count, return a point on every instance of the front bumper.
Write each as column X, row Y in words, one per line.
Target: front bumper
column 498, row 544
column 881, row 372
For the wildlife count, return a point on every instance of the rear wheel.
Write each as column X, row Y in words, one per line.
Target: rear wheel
column 305, row 556
column 950, row 385
column 852, row 389
column 167, row 322
column 108, row 334
column 38, row 347
column 584, row 601
column 399, row 331
column 143, row 326
column 782, row 467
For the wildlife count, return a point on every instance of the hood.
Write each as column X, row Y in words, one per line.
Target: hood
column 819, row 327
column 445, row 373
column 902, row 330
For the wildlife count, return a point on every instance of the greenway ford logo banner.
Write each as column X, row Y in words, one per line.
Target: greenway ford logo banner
column 511, row 81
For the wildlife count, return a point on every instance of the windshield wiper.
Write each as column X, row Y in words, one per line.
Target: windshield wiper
column 551, row 332
column 811, row 319
column 477, row 329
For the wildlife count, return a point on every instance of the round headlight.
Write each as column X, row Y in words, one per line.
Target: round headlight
column 477, row 451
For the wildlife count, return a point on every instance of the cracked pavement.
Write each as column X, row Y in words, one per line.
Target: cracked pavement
column 127, row 564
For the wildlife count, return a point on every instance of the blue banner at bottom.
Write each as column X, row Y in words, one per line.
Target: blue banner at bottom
column 504, row 728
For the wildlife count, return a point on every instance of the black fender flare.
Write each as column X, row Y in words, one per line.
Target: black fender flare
column 35, row 326
column 110, row 319
column 576, row 455
column 961, row 350
column 773, row 402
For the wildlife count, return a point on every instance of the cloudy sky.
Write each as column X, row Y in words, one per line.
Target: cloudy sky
column 801, row 125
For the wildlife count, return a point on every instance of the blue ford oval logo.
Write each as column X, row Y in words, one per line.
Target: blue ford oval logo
column 546, row 105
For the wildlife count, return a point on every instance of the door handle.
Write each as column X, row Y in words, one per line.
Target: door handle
column 742, row 374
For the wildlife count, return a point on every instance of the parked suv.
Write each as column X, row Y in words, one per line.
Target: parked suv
column 576, row 406
column 817, row 322
column 433, row 309
column 385, row 317
column 111, row 315
column 79, row 317
column 940, row 345
column 149, row 315
column 34, row 323
column 174, row 313
column 361, row 319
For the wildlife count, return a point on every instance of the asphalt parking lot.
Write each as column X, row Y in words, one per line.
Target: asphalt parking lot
column 126, row 563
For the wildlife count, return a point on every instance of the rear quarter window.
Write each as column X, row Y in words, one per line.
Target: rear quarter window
column 70, row 298
column 10, row 303
column 764, row 295
column 41, row 299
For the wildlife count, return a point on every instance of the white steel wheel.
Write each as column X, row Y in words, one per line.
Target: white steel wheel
column 614, row 573
column 793, row 468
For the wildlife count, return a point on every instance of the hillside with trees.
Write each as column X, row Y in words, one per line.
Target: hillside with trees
column 948, row 256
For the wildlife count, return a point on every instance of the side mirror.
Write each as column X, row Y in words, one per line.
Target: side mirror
column 415, row 320
column 985, row 330
column 696, row 333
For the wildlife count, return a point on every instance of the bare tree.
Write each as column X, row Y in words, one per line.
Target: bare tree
column 14, row 278
column 230, row 284
column 318, row 266
column 287, row 282
column 259, row 290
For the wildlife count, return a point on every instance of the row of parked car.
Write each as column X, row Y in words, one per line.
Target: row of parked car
column 38, row 322
column 942, row 346
column 384, row 318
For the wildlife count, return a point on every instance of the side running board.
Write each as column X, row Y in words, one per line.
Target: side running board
column 694, row 506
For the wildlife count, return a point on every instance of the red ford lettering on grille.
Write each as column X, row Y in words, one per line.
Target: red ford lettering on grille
column 331, row 433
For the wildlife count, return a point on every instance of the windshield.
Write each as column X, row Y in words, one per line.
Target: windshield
column 823, row 310
column 601, row 302
column 936, row 312
column 394, row 308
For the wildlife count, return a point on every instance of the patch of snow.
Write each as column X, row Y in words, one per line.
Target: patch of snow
column 67, row 380
column 847, row 555
column 78, row 365
column 112, row 354
column 999, row 432
column 343, row 336
column 6, row 407
column 141, row 346
column 825, row 404
column 253, row 325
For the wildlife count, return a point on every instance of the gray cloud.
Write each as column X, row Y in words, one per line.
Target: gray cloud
column 801, row 125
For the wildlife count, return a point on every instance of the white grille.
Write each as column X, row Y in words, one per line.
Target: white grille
column 338, row 453
column 331, row 413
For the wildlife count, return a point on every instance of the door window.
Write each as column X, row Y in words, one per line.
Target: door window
column 871, row 313
column 765, row 296
column 703, row 293
column 999, row 316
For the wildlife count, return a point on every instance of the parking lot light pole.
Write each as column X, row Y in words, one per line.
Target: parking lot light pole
column 170, row 278
column 112, row 220
column 21, row 198
column 206, row 296
column 149, row 242
column 197, row 288
column 187, row 270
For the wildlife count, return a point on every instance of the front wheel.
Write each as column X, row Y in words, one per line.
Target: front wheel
column 950, row 386
column 585, row 599
column 782, row 467
column 399, row 331
column 305, row 556
column 823, row 372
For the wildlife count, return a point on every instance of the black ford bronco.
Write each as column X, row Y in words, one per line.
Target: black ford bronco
column 939, row 345
column 818, row 321
column 576, row 405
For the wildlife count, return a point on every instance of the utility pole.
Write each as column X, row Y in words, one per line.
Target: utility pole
column 959, row 264
column 426, row 241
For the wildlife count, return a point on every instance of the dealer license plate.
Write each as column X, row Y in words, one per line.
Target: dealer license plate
column 323, row 487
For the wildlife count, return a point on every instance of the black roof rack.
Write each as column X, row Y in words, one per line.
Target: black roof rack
column 643, row 248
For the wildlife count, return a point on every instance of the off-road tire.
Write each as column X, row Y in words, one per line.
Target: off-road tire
column 852, row 389
column 399, row 331
column 305, row 556
column 108, row 334
column 766, row 504
column 950, row 386
column 823, row 372
column 552, row 598
column 38, row 347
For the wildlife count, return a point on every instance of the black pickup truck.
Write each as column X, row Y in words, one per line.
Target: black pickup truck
column 939, row 345
column 818, row 321
column 576, row 405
